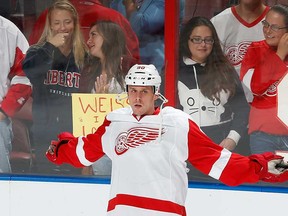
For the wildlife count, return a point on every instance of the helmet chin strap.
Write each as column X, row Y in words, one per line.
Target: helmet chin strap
column 164, row 100
column 119, row 98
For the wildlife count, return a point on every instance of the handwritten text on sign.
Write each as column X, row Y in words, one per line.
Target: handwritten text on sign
column 89, row 111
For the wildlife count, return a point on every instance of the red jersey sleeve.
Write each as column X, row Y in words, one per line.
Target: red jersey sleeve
column 20, row 89
column 266, row 66
column 83, row 151
column 230, row 168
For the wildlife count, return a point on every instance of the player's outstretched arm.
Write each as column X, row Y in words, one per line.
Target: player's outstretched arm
column 78, row 151
column 230, row 168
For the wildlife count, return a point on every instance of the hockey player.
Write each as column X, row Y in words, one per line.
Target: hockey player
column 148, row 147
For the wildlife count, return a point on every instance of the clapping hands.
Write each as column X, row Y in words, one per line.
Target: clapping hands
column 101, row 84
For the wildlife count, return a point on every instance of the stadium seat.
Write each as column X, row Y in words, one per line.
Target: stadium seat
column 21, row 156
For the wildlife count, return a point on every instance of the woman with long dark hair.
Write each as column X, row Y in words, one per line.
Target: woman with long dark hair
column 208, row 86
column 107, row 48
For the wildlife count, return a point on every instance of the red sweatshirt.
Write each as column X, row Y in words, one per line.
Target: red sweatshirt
column 261, row 71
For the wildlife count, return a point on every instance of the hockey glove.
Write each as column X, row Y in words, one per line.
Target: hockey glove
column 52, row 152
column 274, row 169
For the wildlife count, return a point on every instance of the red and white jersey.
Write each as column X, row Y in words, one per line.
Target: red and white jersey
column 236, row 36
column 149, row 170
column 261, row 71
column 15, row 87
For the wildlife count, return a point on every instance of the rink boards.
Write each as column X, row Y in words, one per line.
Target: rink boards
column 67, row 196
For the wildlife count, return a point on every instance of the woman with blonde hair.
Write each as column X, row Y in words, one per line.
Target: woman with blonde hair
column 54, row 67
column 74, row 40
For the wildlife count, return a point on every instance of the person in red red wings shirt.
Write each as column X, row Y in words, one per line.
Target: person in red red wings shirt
column 149, row 147
column 263, row 67
column 89, row 12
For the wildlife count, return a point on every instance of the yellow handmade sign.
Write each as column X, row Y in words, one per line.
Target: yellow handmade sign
column 89, row 111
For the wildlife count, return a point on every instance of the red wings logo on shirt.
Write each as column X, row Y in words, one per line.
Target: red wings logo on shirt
column 272, row 90
column 134, row 138
column 236, row 53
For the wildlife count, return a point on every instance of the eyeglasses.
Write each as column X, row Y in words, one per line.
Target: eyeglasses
column 199, row 40
column 273, row 27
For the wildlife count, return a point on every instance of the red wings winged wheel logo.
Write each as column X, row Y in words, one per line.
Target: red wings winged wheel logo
column 134, row 138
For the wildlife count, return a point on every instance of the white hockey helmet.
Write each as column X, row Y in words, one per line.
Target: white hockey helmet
column 143, row 75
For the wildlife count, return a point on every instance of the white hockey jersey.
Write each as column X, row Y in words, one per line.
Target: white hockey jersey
column 149, row 170
column 236, row 35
